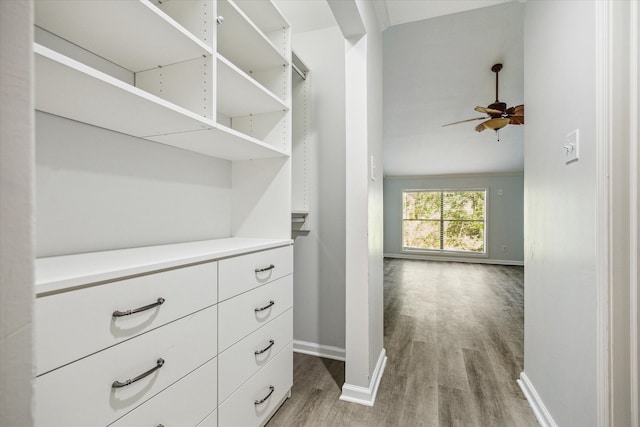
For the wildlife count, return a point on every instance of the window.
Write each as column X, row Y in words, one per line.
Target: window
column 437, row 220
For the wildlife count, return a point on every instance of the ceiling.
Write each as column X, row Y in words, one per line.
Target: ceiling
column 437, row 67
column 395, row 12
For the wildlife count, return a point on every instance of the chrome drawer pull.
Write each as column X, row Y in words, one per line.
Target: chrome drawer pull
column 118, row 384
column 262, row 270
column 271, row 343
column 264, row 399
column 271, row 303
column 118, row 313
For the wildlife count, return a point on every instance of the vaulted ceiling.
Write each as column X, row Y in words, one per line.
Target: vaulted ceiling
column 438, row 55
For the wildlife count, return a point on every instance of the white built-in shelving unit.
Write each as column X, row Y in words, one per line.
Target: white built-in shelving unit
column 211, row 77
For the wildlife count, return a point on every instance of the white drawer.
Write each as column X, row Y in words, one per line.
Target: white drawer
column 186, row 403
column 73, row 324
column 241, row 410
column 240, row 316
column 81, row 393
column 240, row 361
column 241, row 273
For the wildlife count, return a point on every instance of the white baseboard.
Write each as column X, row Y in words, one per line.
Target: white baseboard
column 456, row 259
column 366, row 395
column 540, row 411
column 320, row 350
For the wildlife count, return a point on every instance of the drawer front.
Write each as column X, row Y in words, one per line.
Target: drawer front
column 240, row 361
column 81, row 394
column 241, row 273
column 238, row 316
column 241, row 408
column 83, row 319
column 186, row 403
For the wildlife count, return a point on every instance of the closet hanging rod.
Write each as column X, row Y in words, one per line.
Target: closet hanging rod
column 298, row 66
column 299, row 71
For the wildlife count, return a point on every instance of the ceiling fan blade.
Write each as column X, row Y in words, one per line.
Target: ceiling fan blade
column 464, row 121
column 493, row 124
column 487, row 110
column 518, row 110
column 516, row 120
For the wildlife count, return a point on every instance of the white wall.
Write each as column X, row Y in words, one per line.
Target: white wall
column 375, row 231
column 623, row 65
column 364, row 241
column 319, row 290
column 504, row 212
column 16, row 212
column 101, row 190
column 560, row 204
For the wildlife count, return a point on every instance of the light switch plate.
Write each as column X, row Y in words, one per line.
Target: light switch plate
column 571, row 146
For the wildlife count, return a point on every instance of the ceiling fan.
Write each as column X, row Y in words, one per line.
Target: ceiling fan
column 498, row 115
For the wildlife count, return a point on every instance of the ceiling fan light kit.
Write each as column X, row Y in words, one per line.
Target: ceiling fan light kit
column 497, row 113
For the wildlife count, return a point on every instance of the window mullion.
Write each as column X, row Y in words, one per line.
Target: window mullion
column 441, row 220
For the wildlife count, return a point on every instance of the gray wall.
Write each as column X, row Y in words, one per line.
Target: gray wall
column 319, row 294
column 504, row 212
column 560, row 203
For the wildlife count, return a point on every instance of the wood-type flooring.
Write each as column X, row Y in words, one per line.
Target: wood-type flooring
column 453, row 333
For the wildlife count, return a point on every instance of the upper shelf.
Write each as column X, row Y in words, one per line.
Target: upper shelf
column 134, row 34
column 221, row 142
column 257, row 52
column 264, row 14
column 240, row 95
column 70, row 89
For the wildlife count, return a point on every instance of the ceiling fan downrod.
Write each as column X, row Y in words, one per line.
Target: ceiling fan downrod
column 496, row 69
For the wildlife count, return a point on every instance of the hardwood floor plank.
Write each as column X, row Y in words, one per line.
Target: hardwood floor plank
column 451, row 402
column 454, row 339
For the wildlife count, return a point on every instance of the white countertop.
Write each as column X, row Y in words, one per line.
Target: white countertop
column 54, row 274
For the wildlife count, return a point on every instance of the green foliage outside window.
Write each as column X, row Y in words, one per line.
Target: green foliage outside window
column 444, row 220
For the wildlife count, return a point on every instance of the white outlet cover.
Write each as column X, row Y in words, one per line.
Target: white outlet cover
column 571, row 146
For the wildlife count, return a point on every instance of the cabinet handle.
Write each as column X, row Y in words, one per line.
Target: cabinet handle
column 262, row 270
column 118, row 384
column 271, row 303
column 118, row 313
column 271, row 343
column 264, row 399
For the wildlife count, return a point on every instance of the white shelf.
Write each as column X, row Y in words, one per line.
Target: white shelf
column 264, row 14
column 257, row 52
column 106, row 102
column 63, row 273
column 222, row 142
column 240, row 95
column 68, row 88
column 134, row 34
